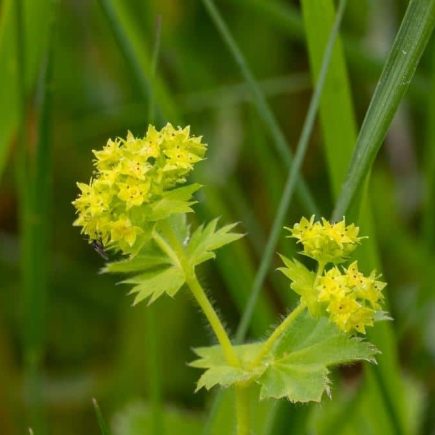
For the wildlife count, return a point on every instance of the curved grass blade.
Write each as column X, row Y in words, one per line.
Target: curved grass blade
column 34, row 187
column 260, row 101
column 339, row 131
column 35, row 40
column 152, row 353
column 428, row 224
column 104, row 428
column 409, row 44
column 291, row 179
column 137, row 58
column 286, row 18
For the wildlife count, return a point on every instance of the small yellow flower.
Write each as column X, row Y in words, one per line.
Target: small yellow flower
column 341, row 310
column 331, row 285
column 122, row 231
column 130, row 175
column 324, row 241
column 351, row 298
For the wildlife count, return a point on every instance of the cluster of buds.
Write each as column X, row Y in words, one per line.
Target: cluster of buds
column 326, row 242
column 350, row 298
column 132, row 178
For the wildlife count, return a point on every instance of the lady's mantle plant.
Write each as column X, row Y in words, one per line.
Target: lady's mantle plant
column 136, row 206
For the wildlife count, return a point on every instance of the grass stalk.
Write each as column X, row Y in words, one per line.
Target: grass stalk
column 285, row 17
column 339, row 133
column 30, row 340
column 104, row 428
column 261, row 103
column 428, row 216
column 126, row 47
column 137, row 59
column 152, row 353
column 402, row 61
column 291, row 180
column 34, row 191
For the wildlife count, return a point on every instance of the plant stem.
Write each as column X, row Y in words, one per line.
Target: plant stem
column 277, row 333
column 173, row 247
column 203, row 301
column 242, row 410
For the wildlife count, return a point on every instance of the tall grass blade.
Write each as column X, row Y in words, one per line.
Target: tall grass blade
column 409, row 44
column 260, row 101
column 339, row 136
column 34, row 179
column 336, row 109
column 286, row 18
column 35, row 39
column 104, row 428
column 137, row 57
column 291, row 180
column 152, row 331
column 428, row 215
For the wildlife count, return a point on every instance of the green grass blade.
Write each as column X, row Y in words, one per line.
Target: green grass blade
column 154, row 62
column 339, row 136
column 286, row 19
column 126, row 47
column 137, row 57
column 34, row 184
column 428, row 216
column 291, row 181
column 152, row 327
column 104, row 428
column 260, row 101
column 35, row 38
column 409, row 44
column 336, row 109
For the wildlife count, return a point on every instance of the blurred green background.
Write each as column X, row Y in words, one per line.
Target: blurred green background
column 74, row 73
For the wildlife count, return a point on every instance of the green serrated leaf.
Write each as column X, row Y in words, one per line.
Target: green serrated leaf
column 302, row 282
column 298, row 367
column 154, row 284
column 218, row 372
column 297, row 382
column 174, row 202
column 206, row 239
column 139, row 263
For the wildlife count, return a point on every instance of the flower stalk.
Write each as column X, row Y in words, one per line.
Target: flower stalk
column 177, row 253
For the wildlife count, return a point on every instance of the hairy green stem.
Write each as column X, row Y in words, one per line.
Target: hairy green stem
column 242, row 410
column 277, row 333
column 203, row 301
column 173, row 247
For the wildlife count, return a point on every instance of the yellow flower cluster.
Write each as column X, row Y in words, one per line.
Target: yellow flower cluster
column 324, row 241
column 130, row 175
column 351, row 298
